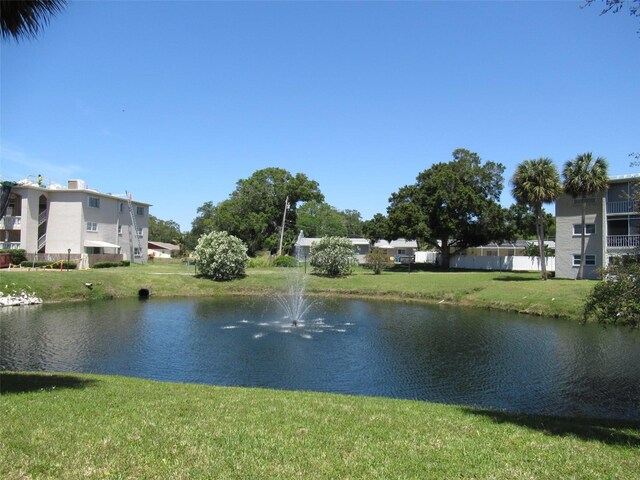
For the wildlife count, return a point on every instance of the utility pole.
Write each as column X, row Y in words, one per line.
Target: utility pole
column 284, row 217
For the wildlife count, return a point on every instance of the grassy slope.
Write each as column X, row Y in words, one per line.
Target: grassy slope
column 94, row 426
column 522, row 292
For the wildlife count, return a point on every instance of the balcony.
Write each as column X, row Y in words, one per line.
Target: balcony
column 623, row 241
column 623, row 206
column 10, row 223
column 9, row 245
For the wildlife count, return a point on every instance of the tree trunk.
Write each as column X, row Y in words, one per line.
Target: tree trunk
column 582, row 238
column 444, row 249
column 540, row 233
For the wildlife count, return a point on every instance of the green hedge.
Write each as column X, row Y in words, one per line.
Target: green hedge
column 122, row 263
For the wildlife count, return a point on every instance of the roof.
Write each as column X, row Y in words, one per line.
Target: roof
column 56, row 187
column 622, row 178
column 163, row 245
column 399, row 243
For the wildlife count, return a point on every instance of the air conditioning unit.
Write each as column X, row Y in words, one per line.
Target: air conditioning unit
column 76, row 185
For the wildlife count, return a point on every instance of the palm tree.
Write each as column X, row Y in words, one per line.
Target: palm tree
column 584, row 177
column 536, row 182
column 24, row 18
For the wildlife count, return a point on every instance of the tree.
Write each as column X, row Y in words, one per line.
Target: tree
column 614, row 6
column 319, row 219
column 521, row 223
column 452, row 206
column 536, row 182
column 616, row 299
column 376, row 229
column 254, row 209
column 584, row 177
column 332, row 256
column 352, row 222
column 377, row 259
column 24, row 18
column 166, row 231
column 221, row 256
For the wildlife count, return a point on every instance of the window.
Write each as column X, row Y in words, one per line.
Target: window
column 92, row 227
column 119, row 229
column 589, row 228
column 589, row 260
column 94, row 202
column 139, row 232
column 139, row 210
column 121, row 207
column 402, row 251
column 137, row 252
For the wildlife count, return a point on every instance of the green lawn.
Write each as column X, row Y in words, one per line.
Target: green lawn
column 520, row 292
column 78, row 426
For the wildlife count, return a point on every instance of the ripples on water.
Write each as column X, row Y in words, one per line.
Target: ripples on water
column 442, row 354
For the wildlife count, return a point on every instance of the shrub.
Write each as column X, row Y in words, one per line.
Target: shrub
column 377, row 259
column 261, row 260
column 616, row 299
column 221, row 256
column 125, row 263
column 18, row 255
column 106, row 264
column 285, row 261
column 333, row 256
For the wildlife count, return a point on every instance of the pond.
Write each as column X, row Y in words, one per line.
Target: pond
column 441, row 354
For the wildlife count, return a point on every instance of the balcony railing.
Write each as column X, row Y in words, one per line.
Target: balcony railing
column 10, row 223
column 623, row 241
column 623, row 206
column 9, row 245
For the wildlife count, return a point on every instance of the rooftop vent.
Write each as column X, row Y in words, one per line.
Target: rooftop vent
column 76, row 185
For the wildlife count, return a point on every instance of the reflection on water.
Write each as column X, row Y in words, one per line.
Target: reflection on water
column 441, row 354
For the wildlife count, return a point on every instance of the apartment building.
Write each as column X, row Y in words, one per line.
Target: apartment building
column 54, row 221
column 612, row 227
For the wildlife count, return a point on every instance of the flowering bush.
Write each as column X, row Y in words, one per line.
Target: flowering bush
column 221, row 256
column 332, row 256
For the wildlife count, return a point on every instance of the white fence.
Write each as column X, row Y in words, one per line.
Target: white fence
column 514, row 263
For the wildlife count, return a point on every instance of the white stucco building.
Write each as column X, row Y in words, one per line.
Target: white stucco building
column 54, row 221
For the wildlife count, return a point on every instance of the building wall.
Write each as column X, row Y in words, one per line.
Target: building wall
column 29, row 225
column 568, row 213
column 64, row 225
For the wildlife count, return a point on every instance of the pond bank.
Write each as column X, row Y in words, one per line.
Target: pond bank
column 504, row 291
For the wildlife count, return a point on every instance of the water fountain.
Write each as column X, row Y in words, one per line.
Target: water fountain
column 293, row 301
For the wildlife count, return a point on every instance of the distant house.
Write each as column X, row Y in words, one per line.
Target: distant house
column 54, row 222
column 397, row 250
column 612, row 227
column 162, row 249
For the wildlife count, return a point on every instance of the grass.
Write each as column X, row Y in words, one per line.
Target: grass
column 508, row 291
column 77, row 426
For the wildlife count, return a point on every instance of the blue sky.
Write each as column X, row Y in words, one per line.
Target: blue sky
column 176, row 101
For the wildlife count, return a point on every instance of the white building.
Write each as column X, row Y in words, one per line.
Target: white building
column 398, row 250
column 56, row 222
